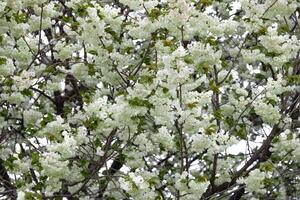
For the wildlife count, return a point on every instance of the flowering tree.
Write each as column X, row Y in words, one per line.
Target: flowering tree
column 133, row 99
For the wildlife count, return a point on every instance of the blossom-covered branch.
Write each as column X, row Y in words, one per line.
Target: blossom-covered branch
column 149, row 99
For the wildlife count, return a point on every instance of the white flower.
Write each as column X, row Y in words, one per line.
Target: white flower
column 288, row 142
column 99, row 151
column 21, row 166
column 227, row 109
column 94, row 108
column 125, row 185
column 136, row 179
column 204, row 54
column 80, row 71
column 163, row 137
column 53, row 166
column 144, row 143
column 198, row 188
column 55, row 127
column 135, row 5
column 254, row 181
column 2, row 6
column 65, row 51
column 3, row 122
column 135, row 159
column 268, row 113
column 34, row 22
column 81, row 137
column 16, row 98
column 21, row 195
column 242, row 92
column 67, row 148
column 7, row 68
column 32, row 117
column 200, row 142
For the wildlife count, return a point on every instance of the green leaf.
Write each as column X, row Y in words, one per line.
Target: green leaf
column 48, row 118
column 293, row 79
column 218, row 114
column 82, row 10
column 176, row 140
column 283, row 29
column 211, row 129
column 35, row 159
column 2, row 61
column 38, row 186
column 275, row 140
column 154, row 13
column 93, row 52
column 20, row 18
column 110, row 198
column 290, row 136
column 83, row 162
column 201, row 179
column 20, row 183
column 271, row 101
column 9, row 81
column 91, row 69
column 66, row 19
column 27, row 92
column 113, row 34
column 91, row 123
column 266, row 166
column 224, row 64
column 268, row 182
column 127, row 50
column 206, row 2
column 4, row 113
column 165, row 90
column 147, row 60
column 50, row 69
column 212, row 41
column 161, row 147
column 230, row 121
column 74, row 26
column 213, row 86
column 85, row 173
column 146, row 79
column 168, row 43
column 153, row 181
column 100, row 15
column 273, row 54
column 242, row 132
column 131, row 77
column 136, row 102
column 188, row 59
column 98, row 143
column 109, row 48
column 260, row 76
column 275, row 158
column 158, row 198
column 192, row 105
column 262, row 31
column 162, row 173
column 9, row 162
column 30, row 129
